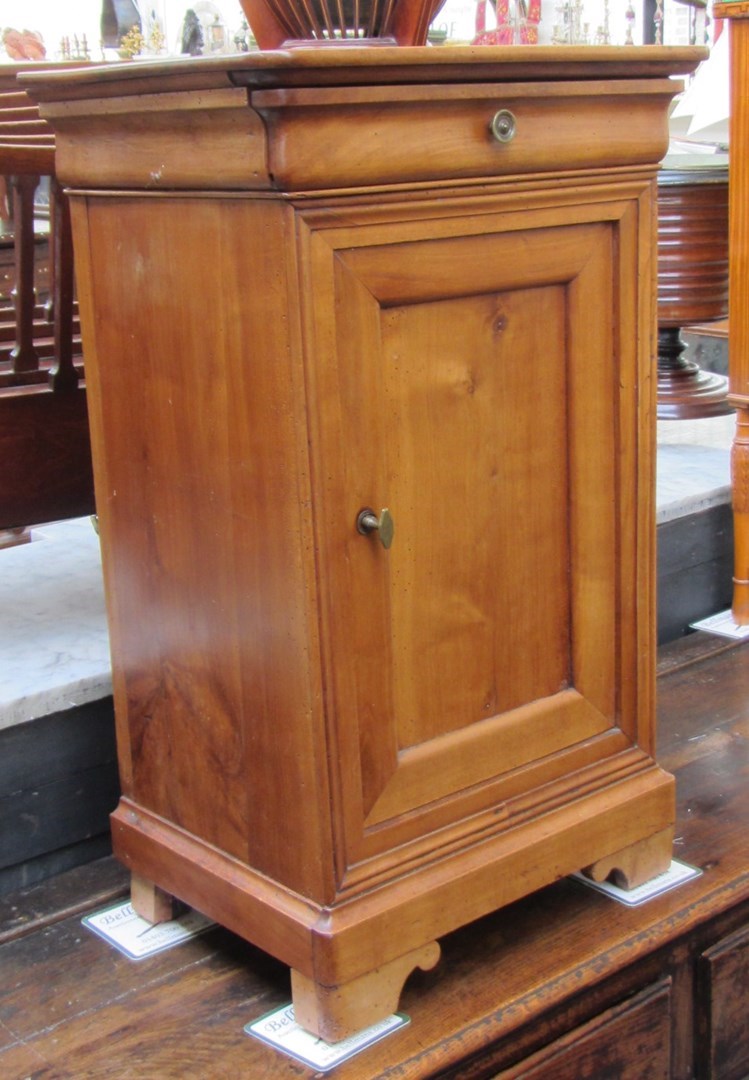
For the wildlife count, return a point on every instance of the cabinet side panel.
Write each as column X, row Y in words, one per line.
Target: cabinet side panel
column 201, row 477
column 86, row 304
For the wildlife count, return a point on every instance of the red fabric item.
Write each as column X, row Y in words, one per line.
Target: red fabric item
column 524, row 31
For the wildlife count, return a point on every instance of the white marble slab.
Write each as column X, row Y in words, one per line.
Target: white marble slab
column 713, row 431
column 54, row 645
column 690, row 479
column 693, row 470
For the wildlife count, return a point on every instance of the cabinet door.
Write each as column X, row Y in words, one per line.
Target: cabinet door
column 478, row 376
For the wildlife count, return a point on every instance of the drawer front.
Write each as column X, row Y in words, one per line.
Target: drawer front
column 334, row 137
column 723, row 1004
column 631, row 1041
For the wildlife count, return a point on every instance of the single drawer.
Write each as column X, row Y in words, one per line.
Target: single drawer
column 340, row 137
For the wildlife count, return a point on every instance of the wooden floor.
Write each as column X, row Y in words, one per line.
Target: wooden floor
column 71, row 1006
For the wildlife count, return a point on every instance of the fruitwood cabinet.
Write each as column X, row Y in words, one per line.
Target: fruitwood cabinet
column 369, row 339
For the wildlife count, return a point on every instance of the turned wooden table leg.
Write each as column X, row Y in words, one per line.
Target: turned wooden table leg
column 149, row 901
column 633, row 866
column 24, row 354
column 685, row 390
column 740, row 495
column 335, row 1012
column 63, row 375
column 692, row 285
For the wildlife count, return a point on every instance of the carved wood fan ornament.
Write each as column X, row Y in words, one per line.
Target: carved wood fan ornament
column 277, row 23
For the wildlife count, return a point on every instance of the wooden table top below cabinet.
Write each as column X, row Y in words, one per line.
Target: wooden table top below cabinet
column 565, row 983
column 325, row 294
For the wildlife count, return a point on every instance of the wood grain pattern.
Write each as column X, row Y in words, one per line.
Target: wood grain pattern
column 437, row 603
column 151, row 902
column 338, row 751
column 723, row 1023
column 634, row 866
column 229, row 661
column 692, row 246
column 145, row 130
column 93, row 885
column 630, row 1041
column 363, row 65
column 44, row 442
column 333, row 1012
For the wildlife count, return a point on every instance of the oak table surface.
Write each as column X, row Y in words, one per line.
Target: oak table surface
column 71, row 1006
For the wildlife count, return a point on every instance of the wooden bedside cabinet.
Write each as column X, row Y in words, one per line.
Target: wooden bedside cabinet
column 370, row 352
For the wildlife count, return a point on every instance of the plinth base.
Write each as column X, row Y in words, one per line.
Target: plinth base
column 351, row 957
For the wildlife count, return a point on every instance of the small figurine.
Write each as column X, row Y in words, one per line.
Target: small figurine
column 192, row 34
column 242, row 37
column 155, row 37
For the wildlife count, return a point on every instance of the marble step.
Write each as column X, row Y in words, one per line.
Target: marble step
column 694, row 522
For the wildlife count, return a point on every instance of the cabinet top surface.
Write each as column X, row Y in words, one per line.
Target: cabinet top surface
column 364, row 65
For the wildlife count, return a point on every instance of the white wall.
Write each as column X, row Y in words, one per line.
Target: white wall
column 55, row 19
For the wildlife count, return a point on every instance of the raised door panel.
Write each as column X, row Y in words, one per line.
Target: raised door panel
column 723, row 1017
column 475, row 384
column 631, row 1041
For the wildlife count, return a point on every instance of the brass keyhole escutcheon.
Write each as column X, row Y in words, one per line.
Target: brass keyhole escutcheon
column 368, row 522
column 503, row 126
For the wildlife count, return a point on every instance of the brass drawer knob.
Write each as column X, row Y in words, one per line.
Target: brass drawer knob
column 368, row 522
column 503, row 126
